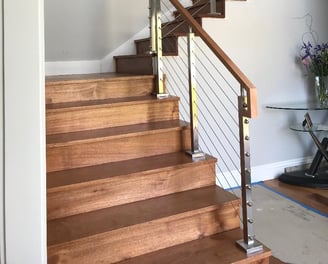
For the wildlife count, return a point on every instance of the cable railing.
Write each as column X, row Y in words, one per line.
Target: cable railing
column 216, row 98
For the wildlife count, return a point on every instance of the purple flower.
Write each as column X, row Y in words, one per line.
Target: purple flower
column 315, row 58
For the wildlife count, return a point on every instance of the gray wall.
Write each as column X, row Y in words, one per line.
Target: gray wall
column 89, row 30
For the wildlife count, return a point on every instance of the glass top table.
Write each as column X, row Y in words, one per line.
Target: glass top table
column 313, row 176
column 315, row 127
column 299, row 106
column 302, row 106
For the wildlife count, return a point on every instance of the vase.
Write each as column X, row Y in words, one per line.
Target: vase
column 321, row 87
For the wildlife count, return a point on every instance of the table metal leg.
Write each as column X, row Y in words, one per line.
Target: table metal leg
column 314, row 176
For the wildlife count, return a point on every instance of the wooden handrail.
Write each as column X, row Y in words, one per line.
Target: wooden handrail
column 251, row 110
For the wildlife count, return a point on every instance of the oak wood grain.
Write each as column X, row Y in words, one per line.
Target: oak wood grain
column 71, row 88
column 60, row 179
column 217, row 249
column 315, row 198
column 142, row 227
column 144, row 184
column 86, row 115
column 135, row 64
column 113, row 148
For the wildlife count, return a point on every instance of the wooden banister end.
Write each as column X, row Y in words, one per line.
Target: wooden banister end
column 253, row 104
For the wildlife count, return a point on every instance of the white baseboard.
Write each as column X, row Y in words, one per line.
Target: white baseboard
column 72, row 67
column 229, row 180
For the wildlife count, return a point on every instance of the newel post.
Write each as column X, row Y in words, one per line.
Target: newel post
column 195, row 150
column 248, row 243
column 156, row 45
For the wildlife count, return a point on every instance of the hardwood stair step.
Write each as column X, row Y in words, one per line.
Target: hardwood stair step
column 134, row 64
column 80, row 87
column 202, row 9
column 169, row 44
column 177, row 26
column 216, row 249
column 87, row 148
column 82, row 190
column 121, row 232
column 96, row 114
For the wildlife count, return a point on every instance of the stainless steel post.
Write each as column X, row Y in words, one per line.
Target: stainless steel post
column 213, row 6
column 156, row 45
column 195, row 151
column 248, row 243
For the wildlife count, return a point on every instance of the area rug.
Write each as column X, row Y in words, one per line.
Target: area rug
column 296, row 234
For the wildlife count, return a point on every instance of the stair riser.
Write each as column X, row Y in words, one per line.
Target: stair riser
column 134, row 65
column 79, row 119
column 205, row 9
column 130, row 188
column 170, row 46
column 136, row 240
column 89, row 153
column 177, row 27
column 125, row 87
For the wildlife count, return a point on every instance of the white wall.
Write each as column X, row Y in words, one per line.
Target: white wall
column 83, row 30
column 25, row 189
column 264, row 37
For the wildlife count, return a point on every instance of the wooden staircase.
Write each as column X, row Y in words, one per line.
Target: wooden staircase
column 120, row 188
column 171, row 32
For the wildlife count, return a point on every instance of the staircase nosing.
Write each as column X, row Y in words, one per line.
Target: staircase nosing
column 170, row 167
column 110, row 133
column 172, row 35
column 110, row 102
column 162, row 215
column 164, row 219
column 120, row 77
column 212, row 249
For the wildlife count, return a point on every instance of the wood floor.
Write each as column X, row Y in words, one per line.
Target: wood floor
column 315, row 198
column 274, row 260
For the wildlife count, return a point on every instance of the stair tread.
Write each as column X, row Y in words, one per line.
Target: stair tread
column 219, row 248
column 91, row 77
column 173, row 35
column 105, row 220
column 105, row 171
column 108, row 101
column 100, row 134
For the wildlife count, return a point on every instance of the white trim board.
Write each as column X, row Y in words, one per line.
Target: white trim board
column 259, row 173
column 2, row 207
column 24, row 132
